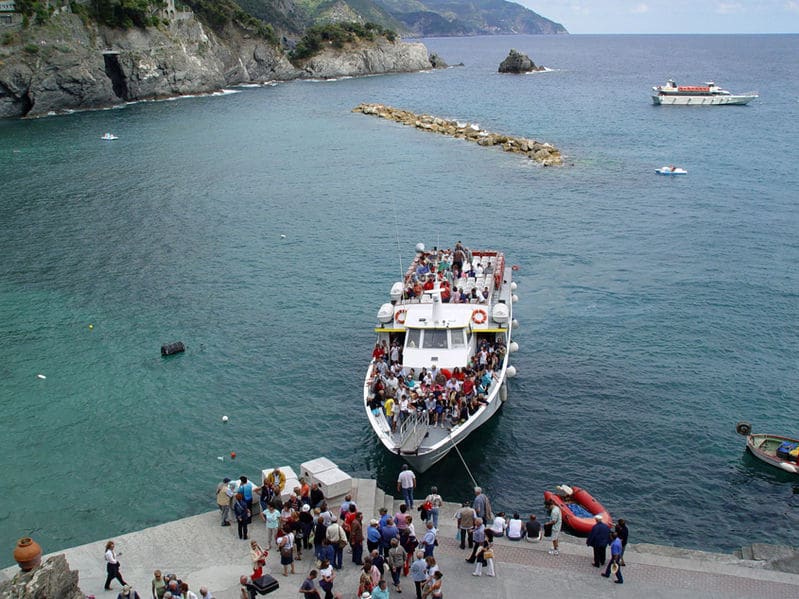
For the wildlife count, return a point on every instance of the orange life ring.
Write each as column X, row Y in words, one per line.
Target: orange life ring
column 399, row 316
column 479, row 316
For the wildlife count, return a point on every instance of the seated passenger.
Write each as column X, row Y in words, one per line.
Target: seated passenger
column 532, row 530
column 515, row 528
column 499, row 525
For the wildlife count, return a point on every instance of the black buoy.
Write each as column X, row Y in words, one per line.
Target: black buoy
column 167, row 349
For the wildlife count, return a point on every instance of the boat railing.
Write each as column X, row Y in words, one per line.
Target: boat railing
column 412, row 430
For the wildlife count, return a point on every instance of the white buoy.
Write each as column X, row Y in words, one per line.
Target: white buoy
column 515, row 323
column 282, row 236
column 511, row 371
column 220, row 458
column 514, row 298
column 513, row 286
column 224, row 418
column 41, row 376
column 513, row 347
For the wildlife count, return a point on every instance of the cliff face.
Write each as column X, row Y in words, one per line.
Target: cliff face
column 379, row 56
column 71, row 65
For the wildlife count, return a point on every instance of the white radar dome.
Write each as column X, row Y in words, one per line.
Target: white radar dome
column 385, row 314
column 396, row 291
column 500, row 313
column 419, row 248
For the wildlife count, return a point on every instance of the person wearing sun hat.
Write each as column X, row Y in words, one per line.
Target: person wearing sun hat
column 598, row 539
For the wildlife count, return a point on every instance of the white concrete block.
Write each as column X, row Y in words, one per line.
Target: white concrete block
column 334, row 483
column 311, row 468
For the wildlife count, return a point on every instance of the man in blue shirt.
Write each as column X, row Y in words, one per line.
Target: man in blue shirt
column 419, row 573
column 429, row 539
column 388, row 532
column 246, row 489
column 615, row 558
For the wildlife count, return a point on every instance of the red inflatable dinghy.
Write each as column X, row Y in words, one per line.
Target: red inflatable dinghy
column 579, row 524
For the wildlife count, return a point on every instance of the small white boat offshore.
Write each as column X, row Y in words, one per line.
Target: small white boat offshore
column 440, row 365
column 671, row 170
column 109, row 137
column 708, row 94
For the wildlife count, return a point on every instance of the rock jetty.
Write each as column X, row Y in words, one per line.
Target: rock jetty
column 543, row 153
column 516, row 62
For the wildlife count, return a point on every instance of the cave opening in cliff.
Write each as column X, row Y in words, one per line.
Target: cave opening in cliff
column 117, row 76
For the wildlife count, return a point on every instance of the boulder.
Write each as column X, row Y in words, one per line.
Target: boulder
column 437, row 62
column 516, row 62
column 52, row 580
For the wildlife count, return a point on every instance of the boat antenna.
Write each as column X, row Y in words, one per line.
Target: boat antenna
column 396, row 231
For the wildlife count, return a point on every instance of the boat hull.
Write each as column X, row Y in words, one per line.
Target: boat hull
column 416, row 439
column 764, row 447
column 578, row 524
column 659, row 100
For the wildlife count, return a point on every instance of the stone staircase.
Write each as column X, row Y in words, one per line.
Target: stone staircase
column 782, row 558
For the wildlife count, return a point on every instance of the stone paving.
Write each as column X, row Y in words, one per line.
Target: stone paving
column 204, row 553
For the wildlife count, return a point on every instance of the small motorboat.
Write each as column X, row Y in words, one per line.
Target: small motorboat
column 671, row 170
column 780, row 452
column 109, row 137
column 578, row 508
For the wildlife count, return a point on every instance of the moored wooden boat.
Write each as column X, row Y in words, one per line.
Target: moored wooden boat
column 580, row 521
column 781, row 452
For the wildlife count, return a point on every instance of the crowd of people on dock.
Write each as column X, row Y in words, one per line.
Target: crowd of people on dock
column 385, row 548
column 447, row 397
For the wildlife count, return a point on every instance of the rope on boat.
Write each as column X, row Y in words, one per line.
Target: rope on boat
column 469, row 472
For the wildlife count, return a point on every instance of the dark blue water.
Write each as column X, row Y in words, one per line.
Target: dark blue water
column 655, row 312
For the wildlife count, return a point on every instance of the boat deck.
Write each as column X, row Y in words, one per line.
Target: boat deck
column 492, row 265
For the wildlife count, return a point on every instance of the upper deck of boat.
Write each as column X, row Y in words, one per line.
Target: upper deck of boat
column 487, row 267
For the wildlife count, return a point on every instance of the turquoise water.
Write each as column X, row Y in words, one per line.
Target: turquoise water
column 655, row 312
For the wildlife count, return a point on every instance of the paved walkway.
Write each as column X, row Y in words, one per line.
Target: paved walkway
column 203, row 553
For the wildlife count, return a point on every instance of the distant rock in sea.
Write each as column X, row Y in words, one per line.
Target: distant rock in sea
column 437, row 62
column 516, row 62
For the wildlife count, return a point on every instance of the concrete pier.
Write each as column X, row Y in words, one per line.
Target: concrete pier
column 203, row 553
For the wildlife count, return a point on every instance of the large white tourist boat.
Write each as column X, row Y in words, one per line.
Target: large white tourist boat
column 708, row 94
column 450, row 349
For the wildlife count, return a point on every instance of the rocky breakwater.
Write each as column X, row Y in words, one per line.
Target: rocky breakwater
column 543, row 153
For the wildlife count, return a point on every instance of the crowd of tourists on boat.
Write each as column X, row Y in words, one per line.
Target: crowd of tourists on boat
column 455, row 271
column 447, row 397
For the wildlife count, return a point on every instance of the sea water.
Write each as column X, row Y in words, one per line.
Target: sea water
column 265, row 228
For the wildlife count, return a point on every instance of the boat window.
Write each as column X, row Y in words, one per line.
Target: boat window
column 435, row 339
column 413, row 337
column 457, row 338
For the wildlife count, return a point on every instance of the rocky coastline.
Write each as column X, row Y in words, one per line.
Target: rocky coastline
column 69, row 64
column 544, row 153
